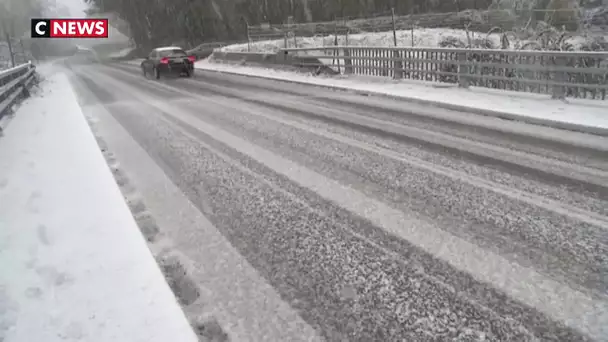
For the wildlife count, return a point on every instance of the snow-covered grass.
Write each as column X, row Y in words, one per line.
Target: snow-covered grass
column 520, row 106
column 74, row 264
column 422, row 37
column 419, row 37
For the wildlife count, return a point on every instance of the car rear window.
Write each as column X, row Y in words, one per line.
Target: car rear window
column 172, row 53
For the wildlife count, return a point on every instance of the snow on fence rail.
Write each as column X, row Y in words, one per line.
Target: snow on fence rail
column 12, row 83
column 579, row 74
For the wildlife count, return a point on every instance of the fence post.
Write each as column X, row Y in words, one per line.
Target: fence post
column 397, row 62
column 558, row 91
column 412, row 35
column 348, row 62
column 291, row 27
column 394, row 26
column 337, row 51
column 397, row 65
column 23, row 54
column 463, row 70
column 248, row 38
column 412, row 24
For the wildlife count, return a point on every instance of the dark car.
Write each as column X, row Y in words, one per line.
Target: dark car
column 168, row 61
column 84, row 56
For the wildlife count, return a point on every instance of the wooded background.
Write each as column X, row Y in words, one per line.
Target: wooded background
column 159, row 22
column 152, row 23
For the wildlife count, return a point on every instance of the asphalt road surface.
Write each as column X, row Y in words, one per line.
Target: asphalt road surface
column 305, row 214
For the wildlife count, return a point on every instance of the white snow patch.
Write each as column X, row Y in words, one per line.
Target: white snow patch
column 74, row 264
column 134, row 61
column 122, row 53
column 539, row 107
column 167, row 48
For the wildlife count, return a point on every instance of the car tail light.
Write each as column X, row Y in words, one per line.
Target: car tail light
column 192, row 59
column 164, row 60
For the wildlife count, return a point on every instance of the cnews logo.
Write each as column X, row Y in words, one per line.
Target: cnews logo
column 70, row 28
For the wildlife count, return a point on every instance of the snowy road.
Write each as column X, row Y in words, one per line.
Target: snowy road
column 305, row 214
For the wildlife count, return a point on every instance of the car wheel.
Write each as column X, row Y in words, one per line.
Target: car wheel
column 156, row 73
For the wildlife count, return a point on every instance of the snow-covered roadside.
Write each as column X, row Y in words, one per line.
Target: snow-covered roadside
column 541, row 109
column 74, row 263
column 419, row 37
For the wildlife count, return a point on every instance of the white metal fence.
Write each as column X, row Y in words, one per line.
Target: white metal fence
column 561, row 74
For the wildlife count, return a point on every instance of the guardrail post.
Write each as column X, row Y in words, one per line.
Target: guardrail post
column 283, row 57
column 463, row 70
column 558, row 90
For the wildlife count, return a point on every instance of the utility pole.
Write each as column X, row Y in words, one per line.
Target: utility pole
column 23, row 54
column 7, row 36
column 394, row 26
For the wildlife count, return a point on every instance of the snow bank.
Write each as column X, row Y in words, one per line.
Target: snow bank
column 521, row 106
column 136, row 61
column 122, row 53
column 74, row 264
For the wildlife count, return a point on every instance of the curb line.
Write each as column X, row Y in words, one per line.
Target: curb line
column 459, row 108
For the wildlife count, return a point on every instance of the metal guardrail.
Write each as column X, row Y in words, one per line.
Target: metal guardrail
column 562, row 74
column 12, row 83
